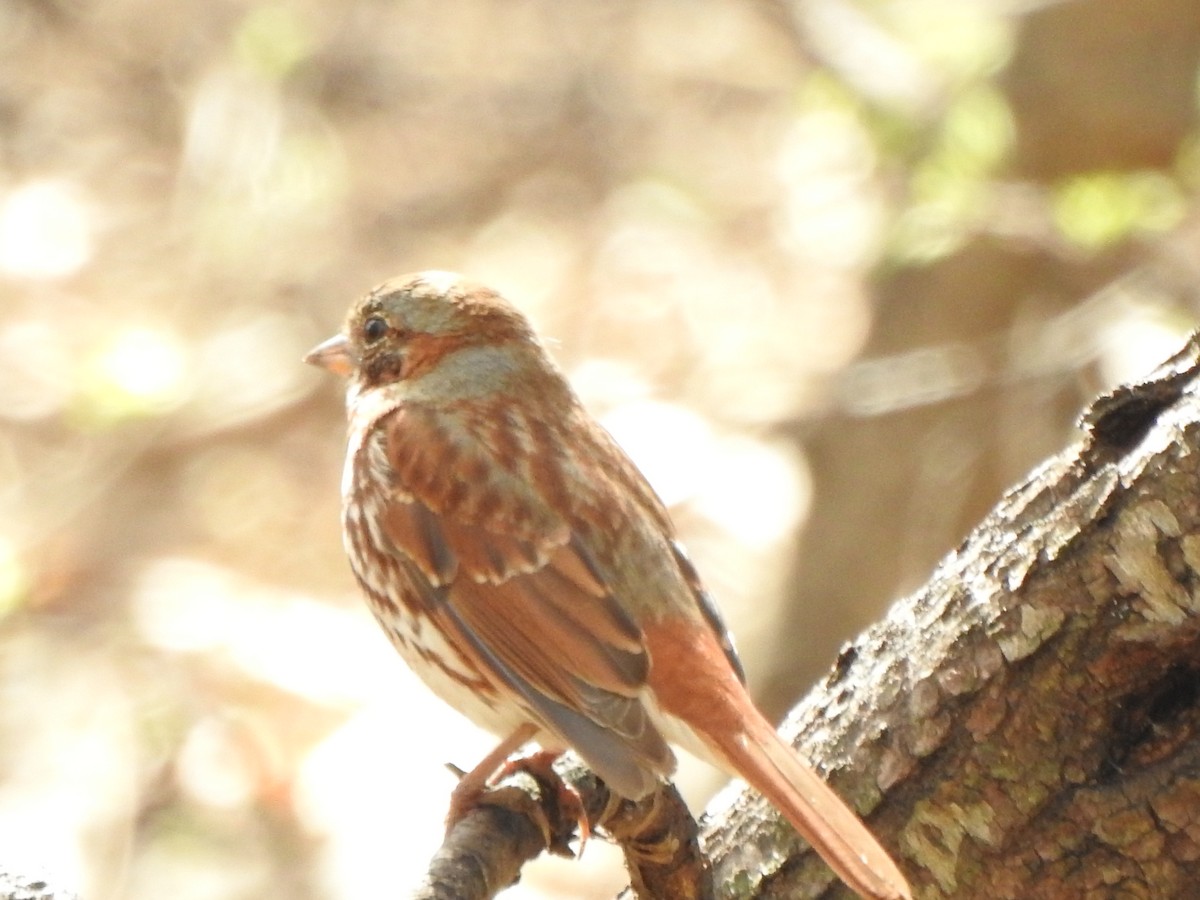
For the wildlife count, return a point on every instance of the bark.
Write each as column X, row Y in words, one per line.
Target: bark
column 1025, row 725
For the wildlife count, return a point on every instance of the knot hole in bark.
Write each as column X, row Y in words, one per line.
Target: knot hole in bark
column 1154, row 723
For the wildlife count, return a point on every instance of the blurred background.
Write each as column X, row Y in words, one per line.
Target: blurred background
column 836, row 272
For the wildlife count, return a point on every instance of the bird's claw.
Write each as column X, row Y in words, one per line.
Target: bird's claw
column 553, row 805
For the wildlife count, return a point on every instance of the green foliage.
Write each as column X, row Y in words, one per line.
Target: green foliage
column 272, row 40
column 1097, row 209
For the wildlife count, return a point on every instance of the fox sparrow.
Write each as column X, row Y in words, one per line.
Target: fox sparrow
column 524, row 568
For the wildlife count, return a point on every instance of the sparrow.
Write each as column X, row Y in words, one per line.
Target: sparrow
column 528, row 573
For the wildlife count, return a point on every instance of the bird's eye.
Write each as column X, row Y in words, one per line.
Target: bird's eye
column 374, row 328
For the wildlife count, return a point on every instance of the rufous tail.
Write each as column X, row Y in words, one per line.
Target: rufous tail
column 774, row 769
column 693, row 681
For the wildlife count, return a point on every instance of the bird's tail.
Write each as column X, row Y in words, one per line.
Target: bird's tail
column 694, row 684
column 774, row 769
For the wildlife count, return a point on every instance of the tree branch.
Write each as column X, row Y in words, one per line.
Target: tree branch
column 1026, row 725
column 524, row 815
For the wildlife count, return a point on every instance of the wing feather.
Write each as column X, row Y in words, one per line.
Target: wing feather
column 515, row 581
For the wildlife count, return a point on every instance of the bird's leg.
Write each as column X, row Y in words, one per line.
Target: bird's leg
column 472, row 785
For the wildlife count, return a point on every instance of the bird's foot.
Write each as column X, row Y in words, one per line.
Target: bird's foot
column 565, row 801
column 556, row 807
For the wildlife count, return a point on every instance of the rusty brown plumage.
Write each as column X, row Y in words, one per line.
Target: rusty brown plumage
column 529, row 574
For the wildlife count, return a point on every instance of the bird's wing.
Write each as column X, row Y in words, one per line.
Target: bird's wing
column 516, row 583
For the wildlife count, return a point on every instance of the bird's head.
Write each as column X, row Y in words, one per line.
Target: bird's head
column 435, row 330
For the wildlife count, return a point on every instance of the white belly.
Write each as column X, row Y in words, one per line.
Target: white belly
column 450, row 677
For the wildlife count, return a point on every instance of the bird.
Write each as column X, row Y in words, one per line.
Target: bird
column 525, row 569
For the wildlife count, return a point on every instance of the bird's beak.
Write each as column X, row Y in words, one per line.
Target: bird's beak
column 334, row 355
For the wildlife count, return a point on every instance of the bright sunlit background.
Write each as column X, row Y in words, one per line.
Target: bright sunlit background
column 836, row 273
